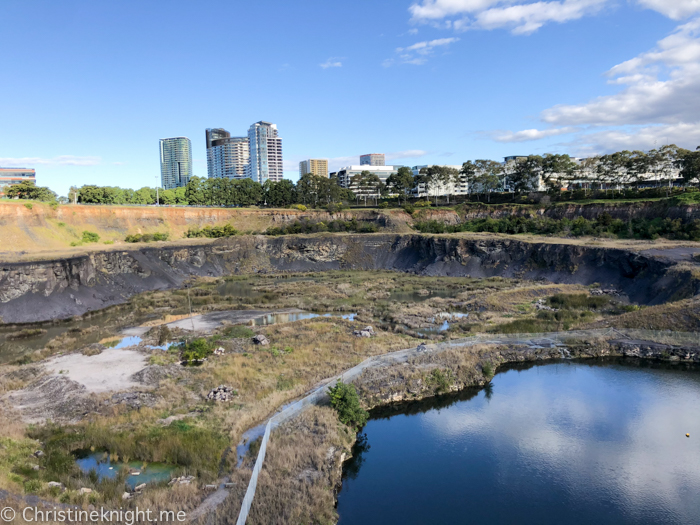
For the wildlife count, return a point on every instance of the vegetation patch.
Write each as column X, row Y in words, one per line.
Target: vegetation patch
column 147, row 237
column 212, row 232
column 306, row 226
column 345, row 401
column 603, row 226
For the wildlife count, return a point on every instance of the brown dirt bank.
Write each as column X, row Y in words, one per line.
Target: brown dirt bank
column 43, row 227
column 53, row 289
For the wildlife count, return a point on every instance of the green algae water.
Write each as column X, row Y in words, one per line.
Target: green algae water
column 576, row 442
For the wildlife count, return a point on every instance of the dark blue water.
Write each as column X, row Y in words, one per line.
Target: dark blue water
column 565, row 443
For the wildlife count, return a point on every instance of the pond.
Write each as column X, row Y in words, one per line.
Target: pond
column 297, row 316
column 140, row 472
column 571, row 442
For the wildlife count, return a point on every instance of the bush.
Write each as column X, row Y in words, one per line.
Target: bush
column 147, row 237
column 408, row 208
column 212, row 232
column 422, row 204
column 573, row 301
column 90, row 237
column 384, row 205
column 487, row 370
column 28, row 205
column 307, row 226
column 196, row 350
column 299, row 207
column 345, row 401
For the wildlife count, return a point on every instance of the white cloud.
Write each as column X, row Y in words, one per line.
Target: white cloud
column 521, row 18
column 331, row 62
column 406, row 154
column 524, row 17
column 656, row 105
column 675, row 9
column 417, row 53
column 61, row 160
column 425, row 48
column 530, row 134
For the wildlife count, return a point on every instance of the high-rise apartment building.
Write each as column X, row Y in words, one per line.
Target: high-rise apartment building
column 175, row 162
column 227, row 156
column 265, row 152
column 11, row 176
column 372, row 159
column 315, row 166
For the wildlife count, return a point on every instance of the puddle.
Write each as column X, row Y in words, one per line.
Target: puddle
column 147, row 472
column 446, row 317
column 288, row 318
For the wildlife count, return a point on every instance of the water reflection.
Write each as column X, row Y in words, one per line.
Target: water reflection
column 569, row 442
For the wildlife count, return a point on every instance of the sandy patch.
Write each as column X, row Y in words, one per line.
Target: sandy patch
column 108, row 371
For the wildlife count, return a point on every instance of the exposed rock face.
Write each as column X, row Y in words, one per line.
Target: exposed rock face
column 58, row 289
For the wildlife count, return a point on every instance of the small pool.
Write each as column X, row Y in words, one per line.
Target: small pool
column 147, row 472
column 298, row 316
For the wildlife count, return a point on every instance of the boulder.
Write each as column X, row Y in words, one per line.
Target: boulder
column 55, row 484
column 222, row 393
column 260, row 339
column 362, row 333
column 38, row 453
column 84, row 490
column 368, row 329
column 219, row 351
column 126, row 495
column 140, row 487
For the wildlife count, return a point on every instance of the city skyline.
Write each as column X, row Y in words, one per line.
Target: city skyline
column 425, row 81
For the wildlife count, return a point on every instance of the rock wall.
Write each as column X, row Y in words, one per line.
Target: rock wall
column 45, row 290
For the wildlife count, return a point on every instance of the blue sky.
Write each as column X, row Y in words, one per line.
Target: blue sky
column 89, row 87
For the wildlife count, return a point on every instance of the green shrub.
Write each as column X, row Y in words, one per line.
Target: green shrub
column 61, row 224
column 196, row 350
column 299, row 207
column 307, row 226
column 408, row 208
column 440, row 380
column 147, row 237
column 108, row 242
column 89, row 237
column 345, row 401
column 384, row 205
column 28, row 205
column 212, row 232
column 487, row 370
column 239, row 332
column 574, row 301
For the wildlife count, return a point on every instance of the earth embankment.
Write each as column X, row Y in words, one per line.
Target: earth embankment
column 64, row 287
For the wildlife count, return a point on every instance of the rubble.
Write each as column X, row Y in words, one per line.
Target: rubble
column 219, row 351
column 222, row 393
column 540, row 305
column 182, row 480
column 605, row 291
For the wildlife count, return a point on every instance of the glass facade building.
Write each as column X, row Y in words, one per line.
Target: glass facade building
column 372, row 159
column 265, row 153
column 227, row 156
column 175, row 162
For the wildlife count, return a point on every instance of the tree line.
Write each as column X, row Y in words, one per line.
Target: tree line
column 524, row 174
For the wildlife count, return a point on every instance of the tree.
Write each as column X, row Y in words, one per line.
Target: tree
column 525, row 174
column 248, row 192
column 401, row 182
column 73, row 194
column 27, row 189
column 194, row 191
column 366, row 183
column 689, row 165
column 556, row 169
column 279, row 194
column 488, row 176
column 345, row 401
column 308, row 189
